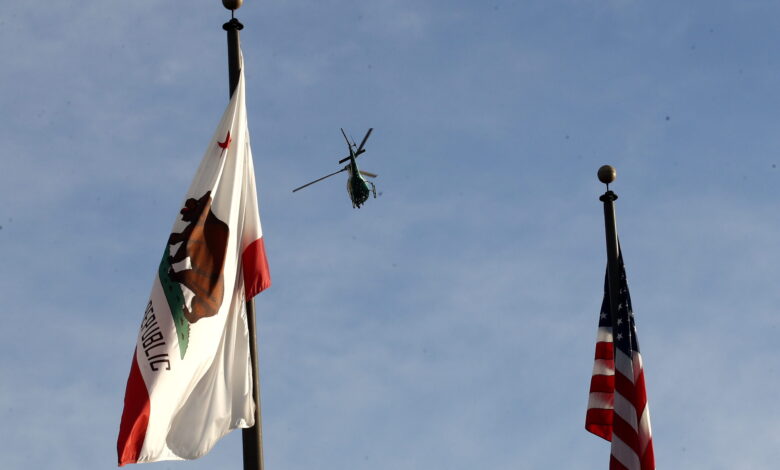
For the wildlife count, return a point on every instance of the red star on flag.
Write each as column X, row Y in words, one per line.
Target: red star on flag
column 226, row 143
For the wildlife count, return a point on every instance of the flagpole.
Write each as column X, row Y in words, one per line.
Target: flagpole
column 234, row 43
column 251, row 438
column 607, row 174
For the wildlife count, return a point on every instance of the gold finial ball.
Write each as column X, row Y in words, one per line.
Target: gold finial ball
column 232, row 4
column 607, row 174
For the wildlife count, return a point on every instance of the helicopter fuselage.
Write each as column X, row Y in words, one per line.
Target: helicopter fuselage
column 358, row 188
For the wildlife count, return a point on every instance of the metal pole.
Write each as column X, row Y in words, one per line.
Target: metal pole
column 234, row 45
column 607, row 174
column 251, row 438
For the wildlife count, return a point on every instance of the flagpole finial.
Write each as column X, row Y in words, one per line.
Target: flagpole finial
column 232, row 4
column 607, row 174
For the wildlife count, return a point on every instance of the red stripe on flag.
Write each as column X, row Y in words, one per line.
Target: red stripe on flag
column 624, row 386
column 599, row 422
column 135, row 417
column 640, row 394
column 602, row 383
column 625, row 432
column 648, row 459
column 605, row 350
column 257, row 278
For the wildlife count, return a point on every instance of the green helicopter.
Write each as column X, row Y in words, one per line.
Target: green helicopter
column 358, row 187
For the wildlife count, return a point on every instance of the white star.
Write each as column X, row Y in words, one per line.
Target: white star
column 603, row 315
column 620, row 321
column 620, row 336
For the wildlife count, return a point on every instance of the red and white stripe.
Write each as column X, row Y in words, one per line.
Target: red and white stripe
column 617, row 406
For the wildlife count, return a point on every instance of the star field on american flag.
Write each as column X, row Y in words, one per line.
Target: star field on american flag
column 617, row 405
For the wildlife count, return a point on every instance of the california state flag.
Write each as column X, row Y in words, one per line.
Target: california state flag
column 191, row 378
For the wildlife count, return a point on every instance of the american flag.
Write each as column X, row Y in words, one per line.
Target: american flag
column 617, row 406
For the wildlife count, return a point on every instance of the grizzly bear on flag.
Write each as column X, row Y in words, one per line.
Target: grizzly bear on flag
column 203, row 243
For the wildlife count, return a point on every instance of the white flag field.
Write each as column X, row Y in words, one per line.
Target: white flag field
column 191, row 378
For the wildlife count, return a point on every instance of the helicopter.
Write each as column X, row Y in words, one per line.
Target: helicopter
column 358, row 187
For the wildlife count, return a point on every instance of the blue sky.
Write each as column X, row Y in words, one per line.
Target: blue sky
column 449, row 323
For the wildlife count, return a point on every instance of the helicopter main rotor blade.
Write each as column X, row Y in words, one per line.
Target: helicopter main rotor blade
column 363, row 144
column 369, row 174
column 362, row 151
column 318, row 180
column 349, row 144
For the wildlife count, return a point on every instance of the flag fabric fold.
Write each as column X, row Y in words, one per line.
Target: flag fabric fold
column 617, row 405
column 190, row 380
